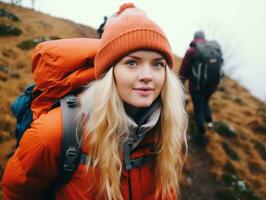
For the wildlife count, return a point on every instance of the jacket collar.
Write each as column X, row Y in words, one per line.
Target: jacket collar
column 149, row 119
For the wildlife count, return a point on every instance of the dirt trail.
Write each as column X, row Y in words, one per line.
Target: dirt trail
column 200, row 184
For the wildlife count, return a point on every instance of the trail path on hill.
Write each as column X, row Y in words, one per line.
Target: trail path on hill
column 201, row 185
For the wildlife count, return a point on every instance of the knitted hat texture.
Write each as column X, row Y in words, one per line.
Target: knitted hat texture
column 126, row 31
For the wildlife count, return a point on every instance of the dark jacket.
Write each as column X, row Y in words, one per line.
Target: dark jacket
column 186, row 66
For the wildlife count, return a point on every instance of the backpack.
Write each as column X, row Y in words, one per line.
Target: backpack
column 60, row 70
column 21, row 110
column 206, row 68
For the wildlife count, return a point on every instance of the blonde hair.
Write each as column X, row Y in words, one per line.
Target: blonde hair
column 107, row 123
column 174, row 121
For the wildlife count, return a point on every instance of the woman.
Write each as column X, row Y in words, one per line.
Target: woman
column 133, row 111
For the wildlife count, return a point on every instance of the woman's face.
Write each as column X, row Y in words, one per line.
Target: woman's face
column 140, row 77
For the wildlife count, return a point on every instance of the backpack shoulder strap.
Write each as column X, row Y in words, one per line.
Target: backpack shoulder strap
column 70, row 150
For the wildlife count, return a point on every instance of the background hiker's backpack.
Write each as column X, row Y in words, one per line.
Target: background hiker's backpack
column 60, row 69
column 206, row 68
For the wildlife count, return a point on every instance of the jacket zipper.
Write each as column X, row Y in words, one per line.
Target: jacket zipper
column 129, row 185
column 127, row 149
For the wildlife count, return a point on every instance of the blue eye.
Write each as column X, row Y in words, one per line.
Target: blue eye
column 131, row 63
column 159, row 64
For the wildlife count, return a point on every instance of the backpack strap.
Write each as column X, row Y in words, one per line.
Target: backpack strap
column 138, row 162
column 70, row 150
column 134, row 163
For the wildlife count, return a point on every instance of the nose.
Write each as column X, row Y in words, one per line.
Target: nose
column 145, row 73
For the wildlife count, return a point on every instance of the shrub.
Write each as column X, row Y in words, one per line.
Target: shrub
column 236, row 189
column 6, row 30
column 261, row 148
column 29, row 44
column 229, row 168
column 238, row 100
column 6, row 71
column 224, row 129
column 6, row 13
column 229, row 151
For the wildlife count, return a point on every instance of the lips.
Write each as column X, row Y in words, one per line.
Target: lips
column 144, row 88
column 144, row 91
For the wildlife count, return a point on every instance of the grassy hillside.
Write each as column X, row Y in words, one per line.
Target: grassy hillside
column 237, row 145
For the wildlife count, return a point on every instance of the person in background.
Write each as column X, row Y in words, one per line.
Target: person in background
column 201, row 66
column 134, row 125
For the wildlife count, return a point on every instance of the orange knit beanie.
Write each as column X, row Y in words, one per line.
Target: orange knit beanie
column 126, row 31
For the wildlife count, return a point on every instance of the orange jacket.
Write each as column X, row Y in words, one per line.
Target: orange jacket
column 34, row 167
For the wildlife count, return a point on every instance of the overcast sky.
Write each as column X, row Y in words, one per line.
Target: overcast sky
column 239, row 25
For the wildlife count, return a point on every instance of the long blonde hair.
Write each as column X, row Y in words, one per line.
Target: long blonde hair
column 107, row 123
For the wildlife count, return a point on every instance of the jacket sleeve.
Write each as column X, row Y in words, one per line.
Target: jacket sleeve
column 185, row 68
column 34, row 165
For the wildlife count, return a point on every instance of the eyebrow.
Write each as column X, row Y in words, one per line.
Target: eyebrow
column 138, row 58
